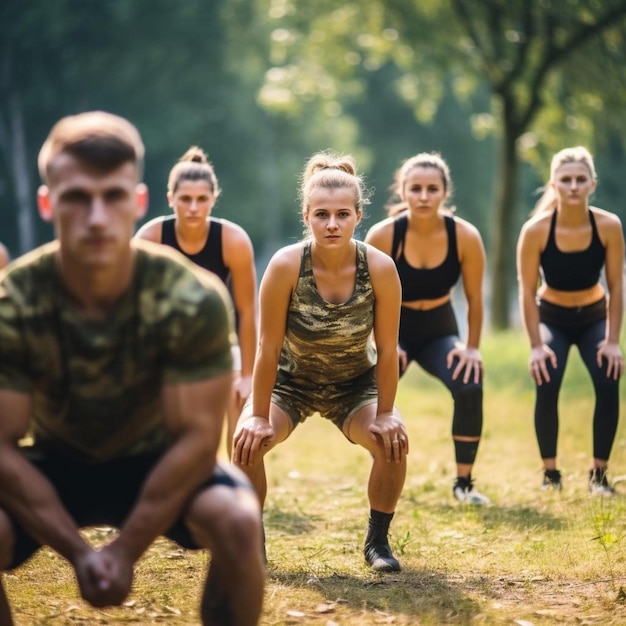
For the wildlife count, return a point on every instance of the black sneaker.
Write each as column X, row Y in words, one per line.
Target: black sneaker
column 380, row 557
column 598, row 483
column 552, row 480
column 463, row 490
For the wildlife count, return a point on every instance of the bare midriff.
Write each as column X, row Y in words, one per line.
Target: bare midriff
column 580, row 298
column 426, row 305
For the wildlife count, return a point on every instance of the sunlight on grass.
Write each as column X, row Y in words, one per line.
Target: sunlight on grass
column 540, row 557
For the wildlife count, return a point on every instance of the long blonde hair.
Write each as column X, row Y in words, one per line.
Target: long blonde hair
column 576, row 154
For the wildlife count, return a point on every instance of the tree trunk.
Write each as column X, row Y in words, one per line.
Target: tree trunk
column 13, row 147
column 272, row 236
column 21, row 176
column 502, row 238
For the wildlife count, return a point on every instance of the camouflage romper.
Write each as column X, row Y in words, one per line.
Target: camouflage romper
column 328, row 359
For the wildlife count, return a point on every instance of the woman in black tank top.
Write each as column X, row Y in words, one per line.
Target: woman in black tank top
column 219, row 246
column 565, row 245
column 432, row 249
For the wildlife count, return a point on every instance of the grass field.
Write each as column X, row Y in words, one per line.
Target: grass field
column 530, row 558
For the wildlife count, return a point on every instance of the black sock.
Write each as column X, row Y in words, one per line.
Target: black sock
column 378, row 527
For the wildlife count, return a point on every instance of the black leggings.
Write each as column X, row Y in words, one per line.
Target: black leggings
column 427, row 337
column 562, row 327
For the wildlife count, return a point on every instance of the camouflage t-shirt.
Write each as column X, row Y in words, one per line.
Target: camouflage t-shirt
column 325, row 343
column 95, row 385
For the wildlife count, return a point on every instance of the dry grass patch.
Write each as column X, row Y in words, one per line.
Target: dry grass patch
column 530, row 558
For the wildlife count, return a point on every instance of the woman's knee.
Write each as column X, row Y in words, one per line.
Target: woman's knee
column 467, row 420
column 601, row 381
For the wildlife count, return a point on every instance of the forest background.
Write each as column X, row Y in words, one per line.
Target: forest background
column 496, row 86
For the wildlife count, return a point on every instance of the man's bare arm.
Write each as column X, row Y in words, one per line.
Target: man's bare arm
column 194, row 413
column 25, row 492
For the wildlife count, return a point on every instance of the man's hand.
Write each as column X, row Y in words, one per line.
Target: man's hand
column 104, row 577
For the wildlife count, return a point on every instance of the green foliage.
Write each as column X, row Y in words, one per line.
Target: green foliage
column 517, row 50
column 262, row 84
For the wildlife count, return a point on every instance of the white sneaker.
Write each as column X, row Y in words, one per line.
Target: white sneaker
column 464, row 491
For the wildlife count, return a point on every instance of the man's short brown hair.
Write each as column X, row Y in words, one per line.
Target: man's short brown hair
column 100, row 140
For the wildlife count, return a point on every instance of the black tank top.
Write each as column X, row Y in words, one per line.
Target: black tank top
column 572, row 271
column 430, row 283
column 210, row 257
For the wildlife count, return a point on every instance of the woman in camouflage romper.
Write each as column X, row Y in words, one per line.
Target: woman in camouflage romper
column 329, row 315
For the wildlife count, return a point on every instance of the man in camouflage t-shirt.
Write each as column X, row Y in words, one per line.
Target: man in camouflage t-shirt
column 115, row 367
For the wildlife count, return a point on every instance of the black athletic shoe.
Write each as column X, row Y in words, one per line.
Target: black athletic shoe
column 599, row 484
column 551, row 480
column 380, row 557
column 463, row 490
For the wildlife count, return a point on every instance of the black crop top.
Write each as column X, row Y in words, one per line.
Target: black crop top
column 572, row 271
column 430, row 283
column 210, row 257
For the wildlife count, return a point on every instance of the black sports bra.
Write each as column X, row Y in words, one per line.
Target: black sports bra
column 572, row 271
column 431, row 283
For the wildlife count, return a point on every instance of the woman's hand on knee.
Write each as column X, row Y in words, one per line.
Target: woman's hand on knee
column 389, row 431
column 538, row 363
column 612, row 354
column 252, row 437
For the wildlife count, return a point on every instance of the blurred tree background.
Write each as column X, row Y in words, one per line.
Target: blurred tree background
column 496, row 86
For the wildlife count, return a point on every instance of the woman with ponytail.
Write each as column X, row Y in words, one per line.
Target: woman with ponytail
column 217, row 245
column 329, row 314
column 563, row 248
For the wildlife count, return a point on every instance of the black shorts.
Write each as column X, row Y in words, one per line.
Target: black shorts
column 104, row 494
